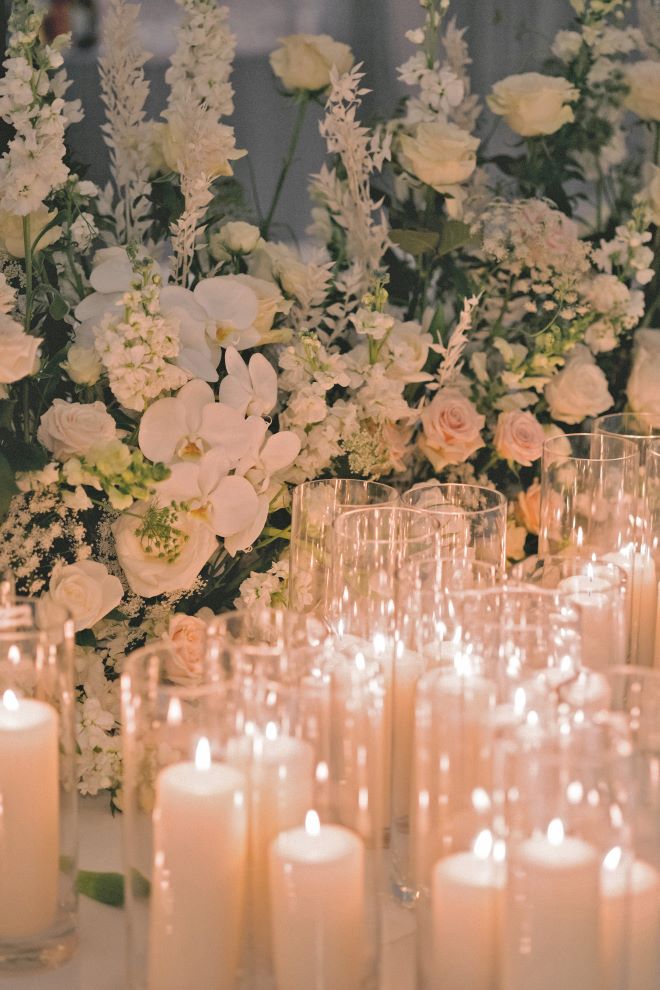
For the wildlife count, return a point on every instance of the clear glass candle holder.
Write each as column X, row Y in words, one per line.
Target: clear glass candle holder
column 652, row 519
column 600, row 591
column 251, row 853
column 38, row 793
column 472, row 519
column 314, row 507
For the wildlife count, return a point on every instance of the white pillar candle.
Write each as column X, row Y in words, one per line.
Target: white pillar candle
column 318, row 908
column 643, row 608
column 466, row 893
column 657, row 632
column 551, row 930
column 197, row 893
column 408, row 668
column 630, row 927
column 29, row 816
column 602, row 644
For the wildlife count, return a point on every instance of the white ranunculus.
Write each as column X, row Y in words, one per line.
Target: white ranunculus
column 643, row 388
column 232, row 310
column 650, row 194
column 533, row 104
column 86, row 590
column 579, row 389
column 238, row 237
column 439, row 154
column 71, row 429
column 643, row 81
column 11, row 231
column 82, row 365
column 249, row 388
column 19, row 352
column 148, row 572
column 519, row 437
column 304, row 61
column 451, row 428
column 185, row 426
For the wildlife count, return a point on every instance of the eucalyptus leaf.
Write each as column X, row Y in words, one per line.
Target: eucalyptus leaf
column 58, row 307
column 455, row 234
column 416, row 242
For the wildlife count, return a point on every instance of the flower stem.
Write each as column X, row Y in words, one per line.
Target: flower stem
column 656, row 143
column 29, row 287
column 288, row 159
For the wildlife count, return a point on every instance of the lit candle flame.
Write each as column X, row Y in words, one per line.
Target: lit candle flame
column 556, row 832
column 271, row 731
column 613, row 858
column 174, row 712
column 483, row 844
column 10, row 701
column 203, row 754
column 14, row 654
column 312, row 823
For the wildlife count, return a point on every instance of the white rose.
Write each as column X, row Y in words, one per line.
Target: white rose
column 82, row 365
column 86, row 590
column 304, row 61
column 579, row 389
column 650, row 194
column 533, row 104
column 70, row 429
column 18, row 351
column 11, row 231
column 239, row 237
column 439, row 154
column 519, row 437
column 644, row 383
column 643, row 81
column 187, row 634
column 451, row 429
column 528, row 508
column 149, row 574
column 212, row 153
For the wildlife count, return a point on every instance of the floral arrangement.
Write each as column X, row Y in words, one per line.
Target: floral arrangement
column 169, row 369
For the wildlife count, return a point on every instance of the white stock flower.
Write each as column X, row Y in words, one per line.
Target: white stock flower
column 19, row 352
column 249, row 388
column 643, row 96
column 371, row 323
column 533, row 104
column 186, row 426
column 451, row 428
column 606, row 293
column 519, row 437
column 439, row 154
column 643, row 387
column 148, row 571
column 70, row 429
column 304, row 61
column 579, row 389
column 86, row 590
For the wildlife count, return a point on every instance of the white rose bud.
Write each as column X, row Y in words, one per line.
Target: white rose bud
column 11, row 231
column 533, row 104
column 187, row 634
column 82, row 365
column 519, row 437
column 86, row 590
column 239, row 237
column 439, row 154
column 70, row 429
column 644, row 383
column 451, row 429
column 19, row 352
column 643, row 81
column 304, row 61
column 579, row 389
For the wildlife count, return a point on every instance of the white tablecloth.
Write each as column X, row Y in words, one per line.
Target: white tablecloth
column 99, row 962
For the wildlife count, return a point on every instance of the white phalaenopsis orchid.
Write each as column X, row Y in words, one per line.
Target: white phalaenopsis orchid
column 250, row 388
column 232, row 309
column 186, row 426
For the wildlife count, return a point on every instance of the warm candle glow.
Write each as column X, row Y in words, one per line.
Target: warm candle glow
column 14, row 654
column 10, row 701
column 613, row 858
column 556, row 832
column 203, row 754
column 483, row 844
column 174, row 712
column 312, row 823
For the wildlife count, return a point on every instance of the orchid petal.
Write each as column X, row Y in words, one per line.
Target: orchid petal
column 280, row 451
column 247, row 536
column 114, row 273
column 234, row 505
column 213, row 467
column 193, row 398
column 264, row 382
column 158, row 436
column 174, row 298
column 181, row 486
column 96, row 305
column 225, row 427
column 227, row 302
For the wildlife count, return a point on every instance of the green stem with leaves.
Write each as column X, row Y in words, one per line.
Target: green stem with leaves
column 303, row 100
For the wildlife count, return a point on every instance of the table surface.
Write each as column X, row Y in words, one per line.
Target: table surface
column 99, row 962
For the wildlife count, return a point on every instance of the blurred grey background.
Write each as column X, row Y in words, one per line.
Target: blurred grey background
column 505, row 36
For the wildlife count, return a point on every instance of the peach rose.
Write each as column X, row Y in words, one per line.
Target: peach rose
column 187, row 634
column 528, row 508
column 519, row 437
column 451, row 429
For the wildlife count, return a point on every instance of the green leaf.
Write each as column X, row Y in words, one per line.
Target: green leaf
column 415, row 242
column 24, row 456
column 108, row 888
column 7, row 486
column 455, row 234
column 6, row 413
column 58, row 307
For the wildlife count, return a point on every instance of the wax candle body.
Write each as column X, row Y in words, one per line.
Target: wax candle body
column 318, row 909
column 602, row 641
column 630, row 927
column 657, row 632
column 29, row 822
column 407, row 670
column 197, row 893
column 551, row 932
column 466, row 892
column 643, row 608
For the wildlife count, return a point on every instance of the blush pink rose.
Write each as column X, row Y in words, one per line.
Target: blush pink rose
column 519, row 437
column 451, row 428
column 528, row 508
column 187, row 634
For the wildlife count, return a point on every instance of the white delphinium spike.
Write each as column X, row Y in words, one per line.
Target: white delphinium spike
column 124, row 91
column 202, row 62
